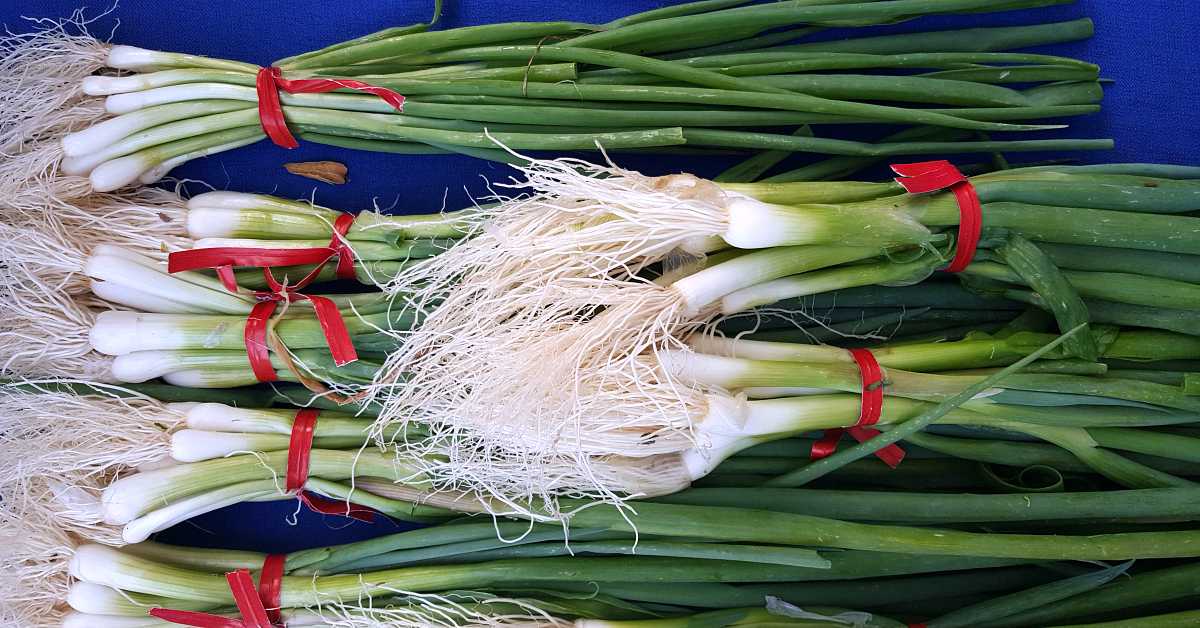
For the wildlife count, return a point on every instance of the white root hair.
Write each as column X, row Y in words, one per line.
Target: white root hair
column 542, row 340
column 35, row 549
column 406, row 609
column 43, row 329
column 508, row 481
column 31, row 175
column 44, row 332
column 58, row 452
column 47, row 308
column 152, row 221
column 77, row 438
column 41, row 101
column 41, row 80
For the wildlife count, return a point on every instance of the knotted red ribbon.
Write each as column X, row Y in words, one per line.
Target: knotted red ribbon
column 872, row 409
column 270, row 111
column 254, row 614
column 223, row 259
column 299, row 449
column 341, row 347
column 928, row 176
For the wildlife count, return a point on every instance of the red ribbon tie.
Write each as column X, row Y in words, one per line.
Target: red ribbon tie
column 872, row 409
column 341, row 347
column 270, row 111
column 270, row 583
column 928, row 176
column 299, row 449
column 254, row 614
column 223, row 259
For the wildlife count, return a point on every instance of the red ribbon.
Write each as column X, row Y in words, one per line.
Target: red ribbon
column 299, row 448
column 270, row 583
column 270, row 112
column 254, row 614
column 928, row 176
column 872, row 409
column 223, row 259
column 341, row 347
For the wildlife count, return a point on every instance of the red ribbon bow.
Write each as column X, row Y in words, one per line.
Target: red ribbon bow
column 299, row 449
column 254, row 614
column 928, row 176
column 223, row 259
column 270, row 111
column 872, row 409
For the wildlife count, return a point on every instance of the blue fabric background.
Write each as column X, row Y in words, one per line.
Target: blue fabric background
column 1149, row 48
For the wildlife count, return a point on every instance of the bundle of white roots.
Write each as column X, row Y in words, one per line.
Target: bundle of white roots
column 42, row 101
column 34, row 552
column 58, row 452
column 47, row 300
column 472, row 472
column 436, row 611
column 545, row 342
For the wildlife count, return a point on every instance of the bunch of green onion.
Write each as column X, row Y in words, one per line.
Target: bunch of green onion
column 783, row 390
column 718, row 570
column 703, row 76
column 579, row 304
column 105, row 290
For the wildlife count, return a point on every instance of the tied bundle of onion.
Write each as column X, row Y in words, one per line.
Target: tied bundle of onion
column 657, row 461
column 188, row 311
column 193, row 457
column 697, row 74
column 115, row 473
column 715, row 566
column 61, row 305
column 206, row 467
column 566, row 305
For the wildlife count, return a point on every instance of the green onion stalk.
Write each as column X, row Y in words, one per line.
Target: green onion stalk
column 699, row 77
column 1135, row 295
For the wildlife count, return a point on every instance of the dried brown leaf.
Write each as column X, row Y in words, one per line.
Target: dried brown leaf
column 327, row 171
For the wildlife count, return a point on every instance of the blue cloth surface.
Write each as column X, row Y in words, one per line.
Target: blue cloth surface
column 1150, row 49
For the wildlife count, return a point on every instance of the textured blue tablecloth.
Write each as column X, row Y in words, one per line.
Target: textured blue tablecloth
column 1150, row 49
